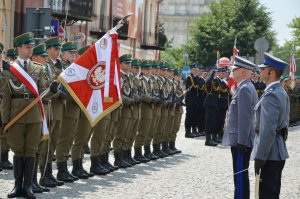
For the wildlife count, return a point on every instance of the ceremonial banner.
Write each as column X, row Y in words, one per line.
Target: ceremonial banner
column 93, row 80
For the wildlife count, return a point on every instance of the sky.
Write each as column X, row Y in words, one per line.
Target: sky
column 282, row 13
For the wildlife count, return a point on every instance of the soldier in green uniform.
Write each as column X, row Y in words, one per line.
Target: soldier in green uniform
column 52, row 68
column 171, row 111
column 70, row 121
column 11, row 54
column 39, row 57
column 179, row 96
column 156, row 111
column 146, row 112
column 25, row 135
column 164, row 96
column 4, row 163
column 136, row 90
column 126, row 113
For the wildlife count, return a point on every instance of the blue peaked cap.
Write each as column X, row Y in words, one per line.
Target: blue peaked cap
column 274, row 62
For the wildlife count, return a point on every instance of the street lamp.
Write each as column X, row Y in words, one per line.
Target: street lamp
column 186, row 58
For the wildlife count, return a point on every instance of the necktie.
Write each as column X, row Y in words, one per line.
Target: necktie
column 25, row 66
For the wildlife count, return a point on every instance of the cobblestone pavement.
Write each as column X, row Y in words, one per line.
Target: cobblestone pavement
column 199, row 172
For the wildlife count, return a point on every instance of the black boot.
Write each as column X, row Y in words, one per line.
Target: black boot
column 139, row 156
column 118, row 161
column 127, row 157
column 148, row 154
column 36, row 188
column 77, row 170
column 194, row 131
column 28, row 175
column 96, row 169
column 216, row 139
column 63, row 173
column 83, row 170
column 124, row 158
column 105, row 160
column 188, row 133
column 166, row 149
column 158, row 152
column 49, row 180
column 86, row 149
column 134, row 161
column 5, row 163
column 173, row 148
column 209, row 141
column 18, row 175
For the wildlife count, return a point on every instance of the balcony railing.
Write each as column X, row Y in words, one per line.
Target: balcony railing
column 77, row 10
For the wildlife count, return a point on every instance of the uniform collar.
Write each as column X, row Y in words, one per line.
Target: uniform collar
column 272, row 84
column 21, row 61
column 243, row 81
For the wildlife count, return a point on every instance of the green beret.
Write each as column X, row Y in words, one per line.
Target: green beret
column 1, row 47
column 126, row 58
column 136, row 63
column 12, row 52
column 69, row 46
column 26, row 38
column 83, row 49
column 146, row 64
column 53, row 42
column 40, row 50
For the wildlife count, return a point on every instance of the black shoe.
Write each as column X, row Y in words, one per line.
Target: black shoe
column 131, row 159
column 5, row 163
column 217, row 140
column 148, row 154
column 119, row 162
column 106, row 163
column 127, row 158
column 86, row 149
column 84, row 171
column 124, row 157
column 189, row 135
column 139, row 156
column 210, row 143
column 18, row 175
column 36, row 188
column 158, row 152
column 96, row 169
column 51, row 177
column 77, row 170
column 28, row 175
column 166, row 149
column 173, row 148
column 63, row 173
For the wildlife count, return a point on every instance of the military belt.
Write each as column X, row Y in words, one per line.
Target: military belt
column 282, row 132
column 25, row 96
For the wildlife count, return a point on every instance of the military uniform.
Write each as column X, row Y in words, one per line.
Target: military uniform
column 146, row 114
column 54, row 105
column 200, row 118
column 4, row 162
column 25, row 135
column 125, row 118
column 191, row 104
column 69, row 126
column 272, row 119
column 211, row 108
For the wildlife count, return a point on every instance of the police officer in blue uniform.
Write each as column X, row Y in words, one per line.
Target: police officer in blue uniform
column 272, row 120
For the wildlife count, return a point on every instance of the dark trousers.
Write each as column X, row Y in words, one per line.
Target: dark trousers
column 210, row 121
column 270, row 184
column 221, row 114
column 200, row 118
column 191, row 117
column 240, row 162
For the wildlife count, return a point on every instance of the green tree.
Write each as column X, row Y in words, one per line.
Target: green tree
column 295, row 25
column 216, row 30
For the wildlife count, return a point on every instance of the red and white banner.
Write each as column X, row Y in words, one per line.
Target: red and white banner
column 19, row 72
column 93, row 80
column 232, row 85
column 292, row 67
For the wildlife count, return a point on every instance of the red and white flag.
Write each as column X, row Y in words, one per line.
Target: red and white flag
column 292, row 67
column 232, row 85
column 93, row 80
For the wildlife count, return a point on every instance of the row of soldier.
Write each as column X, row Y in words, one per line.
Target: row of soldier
column 149, row 116
column 207, row 100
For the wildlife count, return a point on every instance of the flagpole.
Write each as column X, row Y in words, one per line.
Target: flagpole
column 121, row 22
